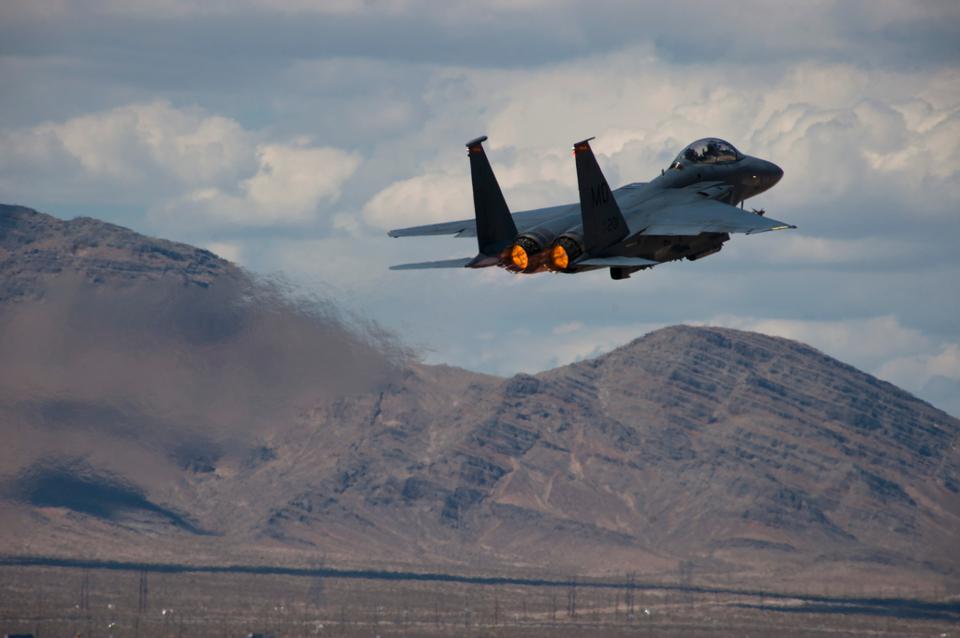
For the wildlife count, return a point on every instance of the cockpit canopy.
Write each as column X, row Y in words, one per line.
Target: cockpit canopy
column 709, row 150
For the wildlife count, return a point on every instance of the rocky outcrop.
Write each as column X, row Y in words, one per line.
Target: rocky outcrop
column 35, row 248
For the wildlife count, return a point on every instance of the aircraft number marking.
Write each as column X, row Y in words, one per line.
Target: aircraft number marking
column 599, row 195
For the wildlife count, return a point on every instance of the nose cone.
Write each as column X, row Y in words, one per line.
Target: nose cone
column 771, row 173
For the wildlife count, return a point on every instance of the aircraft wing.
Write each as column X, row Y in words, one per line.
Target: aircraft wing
column 524, row 220
column 708, row 216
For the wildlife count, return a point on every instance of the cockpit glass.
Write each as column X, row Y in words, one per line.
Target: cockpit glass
column 708, row 151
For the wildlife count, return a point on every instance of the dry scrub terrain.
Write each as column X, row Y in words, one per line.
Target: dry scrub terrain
column 63, row 602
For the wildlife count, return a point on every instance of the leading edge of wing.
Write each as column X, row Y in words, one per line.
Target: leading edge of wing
column 710, row 217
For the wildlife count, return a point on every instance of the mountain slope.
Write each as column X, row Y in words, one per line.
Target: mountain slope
column 702, row 453
column 36, row 248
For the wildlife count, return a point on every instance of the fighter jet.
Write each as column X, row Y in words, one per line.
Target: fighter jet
column 686, row 212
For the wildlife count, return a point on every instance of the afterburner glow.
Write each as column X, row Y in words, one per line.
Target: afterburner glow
column 559, row 258
column 519, row 257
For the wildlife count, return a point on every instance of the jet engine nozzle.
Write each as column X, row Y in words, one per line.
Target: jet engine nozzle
column 519, row 257
column 526, row 254
column 566, row 250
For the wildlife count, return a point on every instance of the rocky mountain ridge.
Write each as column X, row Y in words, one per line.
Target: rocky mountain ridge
column 34, row 246
column 691, row 452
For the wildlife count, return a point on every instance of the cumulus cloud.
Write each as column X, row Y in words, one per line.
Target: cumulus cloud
column 130, row 149
column 198, row 168
column 420, row 200
column 862, row 148
column 289, row 185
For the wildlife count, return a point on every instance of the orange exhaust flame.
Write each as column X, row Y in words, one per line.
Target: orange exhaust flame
column 559, row 258
column 519, row 257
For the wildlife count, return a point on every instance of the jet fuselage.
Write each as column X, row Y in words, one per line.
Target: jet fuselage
column 688, row 211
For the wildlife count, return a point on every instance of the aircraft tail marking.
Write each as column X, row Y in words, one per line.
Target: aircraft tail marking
column 495, row 227
column 603, row 223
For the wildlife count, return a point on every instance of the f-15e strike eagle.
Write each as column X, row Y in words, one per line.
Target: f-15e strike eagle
column 688, row 211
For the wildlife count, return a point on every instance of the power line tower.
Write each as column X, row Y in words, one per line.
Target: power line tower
column 141, row 601
column 83, row 604
column 142, row 593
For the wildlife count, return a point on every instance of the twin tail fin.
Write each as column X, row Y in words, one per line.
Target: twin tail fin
column 495, row 227
column 603, row 223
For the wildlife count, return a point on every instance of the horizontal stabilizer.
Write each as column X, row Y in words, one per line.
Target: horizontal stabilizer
column 617, row 262
column 443, row 228
column 461, row 262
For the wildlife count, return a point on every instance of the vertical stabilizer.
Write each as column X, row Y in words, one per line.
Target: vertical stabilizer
column 495, row 227
column 603, row 223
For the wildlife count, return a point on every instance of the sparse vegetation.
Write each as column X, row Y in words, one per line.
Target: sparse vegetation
column 62, row 601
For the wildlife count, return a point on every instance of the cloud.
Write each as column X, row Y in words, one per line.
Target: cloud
column 512, row 33
column 864, row 150
column 136, row 150
column 290, row 184
column 420, row 200
column 199, row 168
column 800, row 250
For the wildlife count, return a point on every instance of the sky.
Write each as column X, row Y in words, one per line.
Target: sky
column 288, row 136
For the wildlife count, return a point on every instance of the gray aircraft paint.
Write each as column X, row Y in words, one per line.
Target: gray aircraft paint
column 688, row 211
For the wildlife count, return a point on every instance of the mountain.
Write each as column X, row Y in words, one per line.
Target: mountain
column 36, row 248
column 160, row 403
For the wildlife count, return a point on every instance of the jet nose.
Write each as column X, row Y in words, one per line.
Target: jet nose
column 771, row 173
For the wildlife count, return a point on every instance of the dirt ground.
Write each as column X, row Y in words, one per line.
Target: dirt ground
column 58, row 601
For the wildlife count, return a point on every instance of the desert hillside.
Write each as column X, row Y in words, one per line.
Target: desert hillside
column 159, row 403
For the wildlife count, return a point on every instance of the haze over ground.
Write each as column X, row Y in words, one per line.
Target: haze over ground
column 289, row 137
